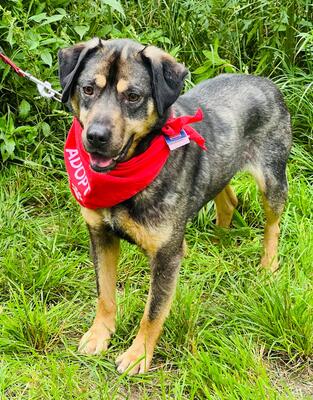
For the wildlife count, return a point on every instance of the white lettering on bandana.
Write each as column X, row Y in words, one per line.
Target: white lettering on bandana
column 80, row 172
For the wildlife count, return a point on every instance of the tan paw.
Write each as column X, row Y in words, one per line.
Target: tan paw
column 94, row 341
column 135, row 356
column 271, row 264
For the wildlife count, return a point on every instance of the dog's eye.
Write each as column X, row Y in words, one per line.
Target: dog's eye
column 88, row 90
column 132, row 97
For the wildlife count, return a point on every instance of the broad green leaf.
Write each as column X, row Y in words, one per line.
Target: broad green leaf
column 22, row 129
column 6, row 71
column 175, row 51
column 81, row 30
column 46, row 57
column 61, row 11
column 281, row 28
column 38, row 17
column 229, row 68
column 206, row 75
column 104, row 30
column 3, row 123
column 10, row 38
column 10, row 146
column 32, row 133
column 115, row 4
column 7, row 149
column 48, row 41
column 24, row 109
column 213, row 57
column 33, row 45
column 10, row 124
column 201, row 70
column 53, row 18
column 33, row 39
column 45, row 128
column 164, row 39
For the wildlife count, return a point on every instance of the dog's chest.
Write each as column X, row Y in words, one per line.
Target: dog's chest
column 149, row 237
column 107, row 217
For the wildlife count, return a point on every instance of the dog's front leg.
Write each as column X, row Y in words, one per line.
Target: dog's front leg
column 105, row 252
column 165, row 267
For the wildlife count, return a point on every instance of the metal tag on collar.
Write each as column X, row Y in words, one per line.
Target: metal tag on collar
column 177, row 141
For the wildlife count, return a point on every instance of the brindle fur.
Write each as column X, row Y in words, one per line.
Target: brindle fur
column 246, row 126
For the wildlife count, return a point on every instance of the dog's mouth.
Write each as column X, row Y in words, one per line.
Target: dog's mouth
column 100, row 163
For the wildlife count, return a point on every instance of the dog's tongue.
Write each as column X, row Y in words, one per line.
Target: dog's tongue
column 100, row 161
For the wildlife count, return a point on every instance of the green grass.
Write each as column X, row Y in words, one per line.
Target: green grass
column 234, row 332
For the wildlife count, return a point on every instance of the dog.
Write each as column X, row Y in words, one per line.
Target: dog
column 122, row 93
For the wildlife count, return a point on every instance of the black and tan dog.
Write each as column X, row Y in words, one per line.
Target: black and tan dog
column 122, row 93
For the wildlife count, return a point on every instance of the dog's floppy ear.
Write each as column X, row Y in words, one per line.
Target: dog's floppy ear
column 71, row 62
column 167, row 76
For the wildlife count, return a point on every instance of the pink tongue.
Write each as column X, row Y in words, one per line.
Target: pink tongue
column 100, row 162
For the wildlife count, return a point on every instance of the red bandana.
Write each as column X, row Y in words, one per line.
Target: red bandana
column 102, row 190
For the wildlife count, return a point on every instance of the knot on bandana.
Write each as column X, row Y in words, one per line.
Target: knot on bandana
column 103, row 190
column 174, row 125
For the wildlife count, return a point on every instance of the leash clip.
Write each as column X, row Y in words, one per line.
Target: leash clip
column 44, row 88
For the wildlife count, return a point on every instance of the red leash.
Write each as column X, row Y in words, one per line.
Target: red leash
column 12, row 65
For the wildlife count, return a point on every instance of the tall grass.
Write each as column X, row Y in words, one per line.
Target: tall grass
column 234, row 332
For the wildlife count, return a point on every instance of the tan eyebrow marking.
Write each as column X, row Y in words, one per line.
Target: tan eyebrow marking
column 122, row 85
column 100, row 81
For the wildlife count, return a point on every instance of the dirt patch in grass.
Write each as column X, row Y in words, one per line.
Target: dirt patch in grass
column 298, row 379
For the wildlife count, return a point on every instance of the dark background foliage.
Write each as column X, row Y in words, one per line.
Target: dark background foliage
column 270, row 38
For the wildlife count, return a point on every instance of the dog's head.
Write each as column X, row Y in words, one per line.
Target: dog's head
column 119, row 90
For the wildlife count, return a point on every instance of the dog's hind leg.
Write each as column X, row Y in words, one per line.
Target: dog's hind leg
column 271, row 236
column 272, row 183
column 225, row 203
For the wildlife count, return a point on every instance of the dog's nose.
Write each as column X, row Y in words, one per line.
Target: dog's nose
column 98, row 134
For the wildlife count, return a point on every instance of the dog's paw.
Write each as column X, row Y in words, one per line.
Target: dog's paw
column 135, row 359
column 94, row 341
column 271, row 264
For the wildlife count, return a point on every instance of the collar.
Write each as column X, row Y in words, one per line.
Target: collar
column 103, row 190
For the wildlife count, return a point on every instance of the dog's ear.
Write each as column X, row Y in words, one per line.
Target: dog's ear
column 167, row 76
column 71, row 62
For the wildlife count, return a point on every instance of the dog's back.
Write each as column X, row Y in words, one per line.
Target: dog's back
column 246, row 126
column 245, row 106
